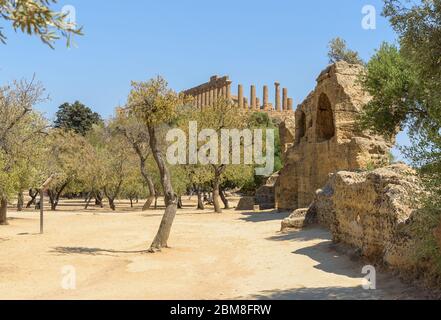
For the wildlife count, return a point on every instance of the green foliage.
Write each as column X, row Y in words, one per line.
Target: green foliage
column 8, row 178
column 261, row 120
column 35, row 17
column 154, row 102
column 394, row 87
column 65, row 157
column 76, row 117
column 405, row 83
column 115, row 164
column 338, row 51
column 22, row 135
column 133, row 186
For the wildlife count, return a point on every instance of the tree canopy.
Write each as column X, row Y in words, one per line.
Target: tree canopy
column 338, row 51
column 76, row 117
column 21, row 131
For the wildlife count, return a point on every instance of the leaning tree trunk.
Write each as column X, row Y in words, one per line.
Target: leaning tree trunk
column 111, row 200
column 156, row 202
column 88, row 199
column 52, row 200
column 112, row 204
column 224, row 199
column 54, row 196
column 216, row 188
column 114, row 195
column 33, row 198
column 161, row 239
column 54, row 205
column 3, row 211
column 150, row 184
column 216, row 197
column 180, row 204
column 99, row 200
column 20, row 201
column 200, row 200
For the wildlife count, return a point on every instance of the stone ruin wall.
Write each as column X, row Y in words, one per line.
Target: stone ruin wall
column 327, row 139
column 373, row 215
column 371, row 211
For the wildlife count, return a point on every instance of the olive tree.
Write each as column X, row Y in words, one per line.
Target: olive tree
column 36, row 17
column 136, row 133
column 223, row 114
column 65, row 156
column 21, row 129
column 156, row 105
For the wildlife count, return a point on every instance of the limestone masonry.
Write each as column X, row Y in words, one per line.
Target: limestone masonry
column 373, row 212
column 327, row 139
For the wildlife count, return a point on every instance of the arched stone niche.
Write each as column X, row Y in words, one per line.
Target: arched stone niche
column 325, row 126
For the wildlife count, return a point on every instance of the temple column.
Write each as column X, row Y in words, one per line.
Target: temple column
column 228, row 88
column 265, row 98
column 198, row 100
column 240, row 96
column 253, row 98
column 224, row 92
column 277, row 106
column 290, row 104
column 204, row 101
column 211, row 96
column 285, row 99
column 215, row 94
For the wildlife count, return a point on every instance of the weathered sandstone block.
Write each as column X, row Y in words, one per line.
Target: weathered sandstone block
column 371, row 211
column 295, row 221
column 245, row 203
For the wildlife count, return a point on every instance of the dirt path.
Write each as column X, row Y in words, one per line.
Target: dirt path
column 228, row 256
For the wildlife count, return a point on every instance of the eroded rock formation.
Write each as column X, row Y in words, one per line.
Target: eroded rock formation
column 326, row 137
column 371, row 211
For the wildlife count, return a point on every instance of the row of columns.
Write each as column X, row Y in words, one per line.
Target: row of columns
column 281, row 104
column 208, row 93
column 207, row 96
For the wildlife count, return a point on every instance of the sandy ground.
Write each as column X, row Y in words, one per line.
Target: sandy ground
column 235, row 255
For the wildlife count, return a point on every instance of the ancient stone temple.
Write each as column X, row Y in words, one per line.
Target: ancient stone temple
column 327, row 139
column 207, row 93
column 220, row 87
column 281, row 112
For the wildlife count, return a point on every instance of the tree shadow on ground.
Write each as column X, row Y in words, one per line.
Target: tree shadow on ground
column 307, row 234
column 264, row 216
column 28, row 234
column 331, row 261
column 92, row 251
column 334, row 293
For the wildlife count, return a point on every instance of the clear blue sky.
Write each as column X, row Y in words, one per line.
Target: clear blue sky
column 187, row 41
